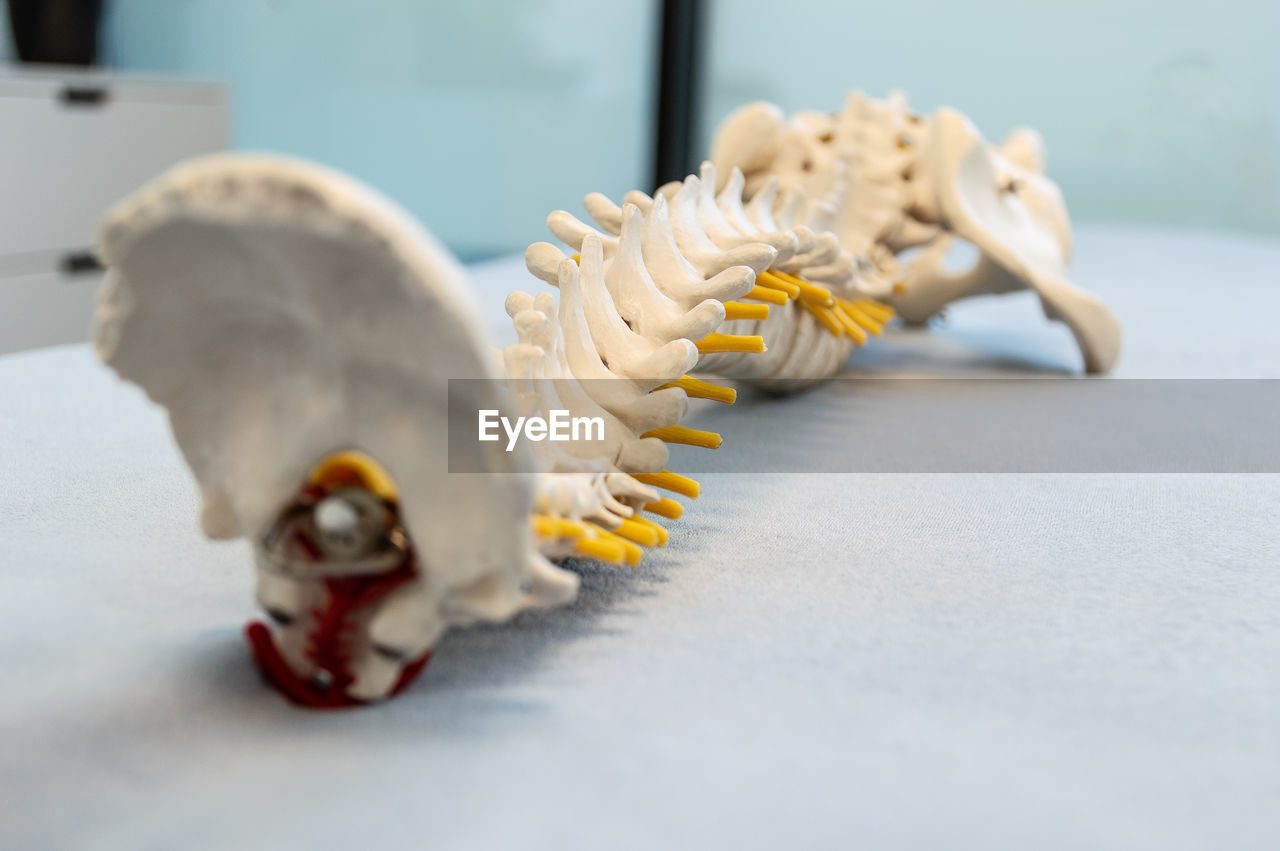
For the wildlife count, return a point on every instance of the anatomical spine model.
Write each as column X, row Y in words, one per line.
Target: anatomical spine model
column 302, row 333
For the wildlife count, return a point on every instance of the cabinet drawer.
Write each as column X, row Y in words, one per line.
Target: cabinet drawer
column 46, row 309
column 72, row 144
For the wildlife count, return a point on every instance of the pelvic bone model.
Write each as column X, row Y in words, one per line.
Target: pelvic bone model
column 894, row 180
column 303, row 335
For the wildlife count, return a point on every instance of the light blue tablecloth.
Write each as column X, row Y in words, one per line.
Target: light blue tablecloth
column 841, row 661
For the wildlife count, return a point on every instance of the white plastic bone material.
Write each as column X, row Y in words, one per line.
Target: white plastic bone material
column 890, row 180
column 281, row 312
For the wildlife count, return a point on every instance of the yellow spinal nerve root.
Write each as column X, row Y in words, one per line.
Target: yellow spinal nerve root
column 807, row 291
column 601, row 548
column 853, row 329
column 826, row 316
column 631, row 553
column 661, row 531
column 719, row 343
column 865, row 313
column 667, row 508
column 670, row 481
column 877, row 310
column 773, row 282
column 556, row 527
column 592, row 541
column 742, row 310
column 640, row 533
column 769, row 294
column 696, row 389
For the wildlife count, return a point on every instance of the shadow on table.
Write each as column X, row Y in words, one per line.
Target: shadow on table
column 496, row 654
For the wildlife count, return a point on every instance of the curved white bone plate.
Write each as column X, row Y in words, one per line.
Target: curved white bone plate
column 281, row 312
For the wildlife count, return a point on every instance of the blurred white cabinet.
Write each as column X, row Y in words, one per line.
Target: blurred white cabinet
column 71, row 144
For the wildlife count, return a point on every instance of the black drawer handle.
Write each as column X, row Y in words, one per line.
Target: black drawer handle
column 85, row 95
column 81, row 263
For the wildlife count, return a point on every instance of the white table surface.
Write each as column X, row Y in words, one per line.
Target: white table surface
column 842, row 661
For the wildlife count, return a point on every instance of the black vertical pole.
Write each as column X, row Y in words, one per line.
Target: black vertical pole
column 64, row 32
column 678, row 89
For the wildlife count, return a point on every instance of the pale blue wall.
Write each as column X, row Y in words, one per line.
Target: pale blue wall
column 1160, row 111
column 481, row 117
